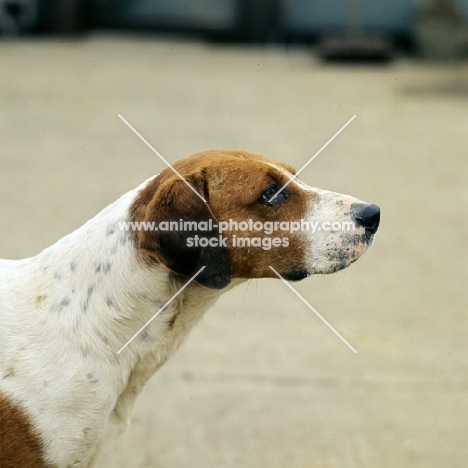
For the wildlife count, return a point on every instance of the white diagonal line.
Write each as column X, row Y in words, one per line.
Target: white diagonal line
column 160, row 157
column 312, row 158
column 313, row 310
column 160, row 310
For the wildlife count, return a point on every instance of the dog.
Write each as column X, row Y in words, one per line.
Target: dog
column 86, row 322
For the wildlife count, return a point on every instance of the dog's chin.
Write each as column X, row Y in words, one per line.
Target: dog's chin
column 332, row 266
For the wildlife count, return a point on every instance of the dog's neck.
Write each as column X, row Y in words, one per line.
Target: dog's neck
column 105, row 293
column 94, row 290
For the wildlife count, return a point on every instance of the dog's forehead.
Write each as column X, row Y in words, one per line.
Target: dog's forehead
column 250, row 163
column 283, row 169
column 265, row 161
column 229, row 158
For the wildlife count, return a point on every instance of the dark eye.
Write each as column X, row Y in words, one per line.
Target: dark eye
column 268, row 197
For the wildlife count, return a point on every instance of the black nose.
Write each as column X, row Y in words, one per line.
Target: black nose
column 367, row 216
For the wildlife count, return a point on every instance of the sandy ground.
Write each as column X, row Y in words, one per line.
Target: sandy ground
column 261, row 382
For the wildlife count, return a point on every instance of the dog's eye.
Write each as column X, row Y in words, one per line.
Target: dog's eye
column 268, row 197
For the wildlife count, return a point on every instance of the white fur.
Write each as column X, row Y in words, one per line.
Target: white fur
column 333, row 249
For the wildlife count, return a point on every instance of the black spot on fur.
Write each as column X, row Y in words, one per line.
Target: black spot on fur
column 124, row 238
column 103, row 267
column 85, row 304
column 92, row 378
column 110, row 302
column 90, row 290
column 57, row 276
column 59, row 306
column 110, row 229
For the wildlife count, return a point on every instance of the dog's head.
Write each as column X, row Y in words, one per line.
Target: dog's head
column 238, row 213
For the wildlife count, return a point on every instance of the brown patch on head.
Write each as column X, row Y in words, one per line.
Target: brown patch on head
column 237, row 195
column 20, row 446
column 168, row 199
column 233, row 184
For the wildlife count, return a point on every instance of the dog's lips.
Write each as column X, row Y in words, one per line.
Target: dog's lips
column 296, row 273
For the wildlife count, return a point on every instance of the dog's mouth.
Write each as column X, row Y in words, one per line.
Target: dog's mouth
column 347, row 249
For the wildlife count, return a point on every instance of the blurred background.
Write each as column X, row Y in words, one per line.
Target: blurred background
column 435, row 27
column 261, row 382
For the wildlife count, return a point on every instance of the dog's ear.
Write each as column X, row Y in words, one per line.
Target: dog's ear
column 181, row 231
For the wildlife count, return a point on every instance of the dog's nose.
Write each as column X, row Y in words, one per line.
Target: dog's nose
column 366, row 215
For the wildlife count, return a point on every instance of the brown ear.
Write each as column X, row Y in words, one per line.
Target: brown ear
column 169, row 199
